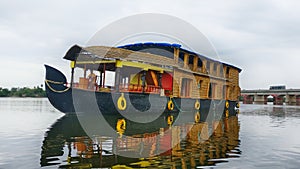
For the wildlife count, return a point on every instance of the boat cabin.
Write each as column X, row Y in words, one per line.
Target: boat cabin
column 156, row 68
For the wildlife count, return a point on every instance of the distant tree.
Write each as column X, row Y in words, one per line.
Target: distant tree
column 23, row 92
column 4, row 92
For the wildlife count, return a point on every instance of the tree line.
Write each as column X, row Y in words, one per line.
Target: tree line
column 37, row 91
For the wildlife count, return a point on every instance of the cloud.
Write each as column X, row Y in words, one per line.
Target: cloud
column 258, row 36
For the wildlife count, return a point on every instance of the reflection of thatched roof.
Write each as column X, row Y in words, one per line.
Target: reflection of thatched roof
column 98, row 53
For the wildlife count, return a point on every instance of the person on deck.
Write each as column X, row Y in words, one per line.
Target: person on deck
column 92, row 81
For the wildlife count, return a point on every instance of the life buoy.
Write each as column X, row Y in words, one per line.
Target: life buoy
column 227, row 113
column 197, row 105
column 122, row 102
column 197, row 117
column 170, row 105
column 170, row 120
column 121, row 125
column 226, row 104
column 237, row 105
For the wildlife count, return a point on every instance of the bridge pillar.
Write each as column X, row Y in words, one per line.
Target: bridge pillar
column 291, row 99
column 248, row 99
column 298, row 100
column 266, row 99
column 259, row 99
column 278, row 100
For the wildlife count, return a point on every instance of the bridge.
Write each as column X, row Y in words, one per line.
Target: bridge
column 280, row 96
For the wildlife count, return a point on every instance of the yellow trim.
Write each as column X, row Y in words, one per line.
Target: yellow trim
column 120, row 63
column 72, row 64
column 144, row 66
column 95, row 62
column 121, row 167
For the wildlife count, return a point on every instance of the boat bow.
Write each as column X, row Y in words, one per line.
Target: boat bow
column 58, row 93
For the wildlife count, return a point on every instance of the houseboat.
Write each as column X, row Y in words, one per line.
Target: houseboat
column 142, row 78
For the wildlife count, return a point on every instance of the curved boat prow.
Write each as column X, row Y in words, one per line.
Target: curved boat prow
column 55, row 75
column 59, row 95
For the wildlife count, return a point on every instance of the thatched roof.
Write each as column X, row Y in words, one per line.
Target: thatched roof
column 99, row 53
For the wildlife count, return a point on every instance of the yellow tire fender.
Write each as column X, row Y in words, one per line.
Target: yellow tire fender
column 170, row 105
column 197, row 117
column 121, row 125
column 122, row 102
column 226, row 104
column 197, row 105
column 237, row 105
column 227, row 113
column 170, row 120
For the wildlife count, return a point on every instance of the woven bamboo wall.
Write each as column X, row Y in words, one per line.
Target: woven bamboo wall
column 232, row 84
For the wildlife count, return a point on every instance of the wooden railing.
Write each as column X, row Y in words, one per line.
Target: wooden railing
column 139, row 88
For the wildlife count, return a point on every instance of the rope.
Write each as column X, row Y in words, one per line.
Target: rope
column 54, row 82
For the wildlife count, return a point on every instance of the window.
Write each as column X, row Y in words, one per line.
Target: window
column 211, row 91
column 208, row 67
column 186, row 87
column 222, row 71
column 227, row 71
column 199, row 84
column 181, row 57
column 224, row 92
column 199, row 63
column 191, row 59
column 215, row 67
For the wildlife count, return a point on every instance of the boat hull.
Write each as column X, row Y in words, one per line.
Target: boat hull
column 71, row 100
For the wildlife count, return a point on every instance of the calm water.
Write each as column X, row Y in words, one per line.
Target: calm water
column 35, row 135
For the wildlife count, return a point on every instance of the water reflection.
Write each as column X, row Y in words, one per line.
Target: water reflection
column 202, row 144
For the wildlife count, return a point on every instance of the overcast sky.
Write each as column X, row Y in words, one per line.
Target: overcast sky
column 261, row 37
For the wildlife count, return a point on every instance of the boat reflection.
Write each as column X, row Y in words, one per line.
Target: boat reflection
column 184, row 145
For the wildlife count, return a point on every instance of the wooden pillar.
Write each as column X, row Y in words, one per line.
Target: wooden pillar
column 186, row 60
column 104, row 67
column 72, row 73
column 159, row 79
column 101, row 78
column 143, row 80
column 84, row 73
column 218, row 70
column 117, row 79
column 176, row 55
column 204, row 64
column 195, row 64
